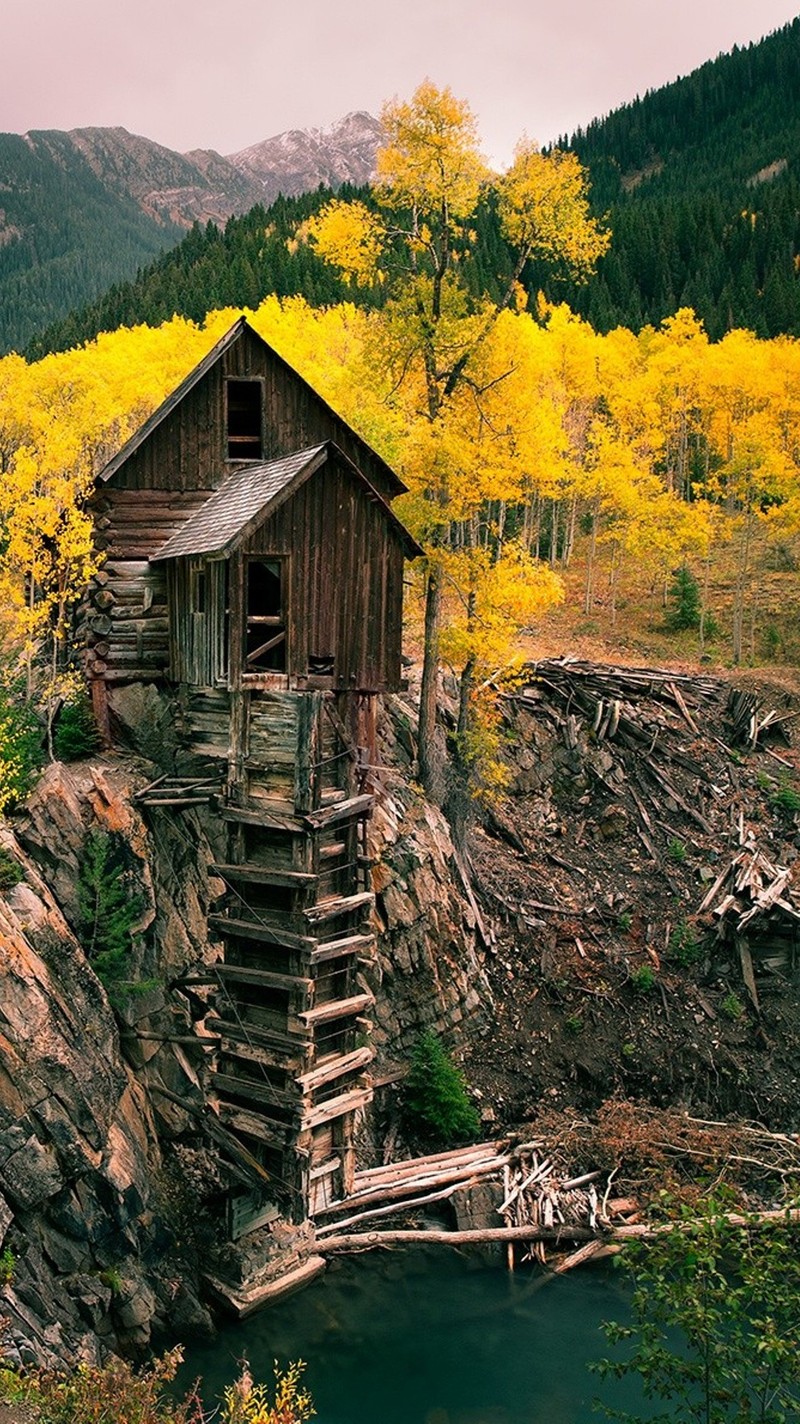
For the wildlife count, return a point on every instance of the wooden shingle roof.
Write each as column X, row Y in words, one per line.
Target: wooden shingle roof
column 252, row 493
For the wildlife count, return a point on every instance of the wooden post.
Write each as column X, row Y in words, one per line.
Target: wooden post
column 305, row 773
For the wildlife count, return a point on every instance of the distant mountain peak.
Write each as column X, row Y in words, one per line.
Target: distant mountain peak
column 298, row 160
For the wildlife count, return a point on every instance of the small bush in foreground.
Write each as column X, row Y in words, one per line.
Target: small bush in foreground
column 287, row 1403
column 643, row 979
column 117, row 1393
column 10, row 872
column 110, row 907
column 20, row 748
column 435, row 1104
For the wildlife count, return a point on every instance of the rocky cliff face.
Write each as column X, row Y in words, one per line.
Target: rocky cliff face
column 83, row 1116
column 99, row 1143
column 170, row 187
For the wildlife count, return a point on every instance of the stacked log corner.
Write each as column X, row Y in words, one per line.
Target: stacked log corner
column 295, row 927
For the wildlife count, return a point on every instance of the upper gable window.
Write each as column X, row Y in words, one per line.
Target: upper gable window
column 245, row 434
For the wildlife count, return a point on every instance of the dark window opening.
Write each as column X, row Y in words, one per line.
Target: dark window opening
column 244, row 420
column 321, row 664
column 199, row 592
column 265, row 649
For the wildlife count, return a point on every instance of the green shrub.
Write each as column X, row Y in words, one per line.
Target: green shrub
column 785, row 799
column 684, row 945
column 8, row 1264
column 732, row 1007
column 76, row 733
column 109, row 908
column 20, row 748
column 643, row 979
column 683, row 596
column 435, row 1104
column 10, row 872
column 713, row 1321
column 676, row 850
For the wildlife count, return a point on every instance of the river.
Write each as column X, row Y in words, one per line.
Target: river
column 433, row 1337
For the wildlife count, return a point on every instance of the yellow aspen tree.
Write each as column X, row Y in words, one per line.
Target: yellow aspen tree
column 430, row 177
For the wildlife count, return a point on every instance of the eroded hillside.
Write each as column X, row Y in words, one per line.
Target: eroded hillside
column 616, row 876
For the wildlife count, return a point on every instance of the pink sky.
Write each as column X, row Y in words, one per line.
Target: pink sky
column 206, row 74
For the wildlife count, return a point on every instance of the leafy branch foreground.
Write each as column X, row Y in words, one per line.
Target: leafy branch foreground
column 715, row 1328
column 116, row 1393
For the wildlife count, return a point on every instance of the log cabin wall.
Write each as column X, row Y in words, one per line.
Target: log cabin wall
column 344, row 578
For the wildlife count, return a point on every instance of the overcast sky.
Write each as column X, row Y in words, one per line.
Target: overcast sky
column 224, row 74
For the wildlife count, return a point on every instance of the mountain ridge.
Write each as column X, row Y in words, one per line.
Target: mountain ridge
column 83, row 208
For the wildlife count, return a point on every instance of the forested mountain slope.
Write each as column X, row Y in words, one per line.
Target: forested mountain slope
column 702, row 182
column 65, row 235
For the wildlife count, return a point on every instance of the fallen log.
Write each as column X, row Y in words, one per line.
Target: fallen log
column 414, row 1236
column 635, row 1231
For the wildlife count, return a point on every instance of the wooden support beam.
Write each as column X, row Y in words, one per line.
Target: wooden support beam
column 266, row 819
column 328, row 1072
column 338, row 905
column 260, row 875
column 337, row 1107
column 260, row 929
column 353, row 807
column 358, row 944
column 338, row 1009
column 298, row 1044
column 332, row 851
column 261, row 1092
column 292, row 1064
column 243, row 974
column 252, row 1124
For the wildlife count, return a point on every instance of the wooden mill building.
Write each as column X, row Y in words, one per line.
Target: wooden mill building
column 254, row 571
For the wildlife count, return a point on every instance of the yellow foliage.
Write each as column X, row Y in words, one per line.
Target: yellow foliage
column 489, row 599
column 430, row 159
column 246, row 1402
column 351, row 238
column 544, row 209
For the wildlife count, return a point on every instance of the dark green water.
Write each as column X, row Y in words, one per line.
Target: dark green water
column 432, row 1337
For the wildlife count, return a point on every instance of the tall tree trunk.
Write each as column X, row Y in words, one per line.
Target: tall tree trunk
column 429, row 770
column 555, row 506
column 588, row 597
column 569, row 536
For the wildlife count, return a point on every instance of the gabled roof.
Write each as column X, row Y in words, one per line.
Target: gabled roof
column 254, row 492
column 189, row 382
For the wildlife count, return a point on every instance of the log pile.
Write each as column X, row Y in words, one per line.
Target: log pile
column 417, row 1182
column 650, row 720
column 755, row 904
column 537, row 1196
column 750, row 724
column 539, row 1205
column 750, row 888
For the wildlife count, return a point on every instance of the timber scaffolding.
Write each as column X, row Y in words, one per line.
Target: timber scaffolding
column 289, row 774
